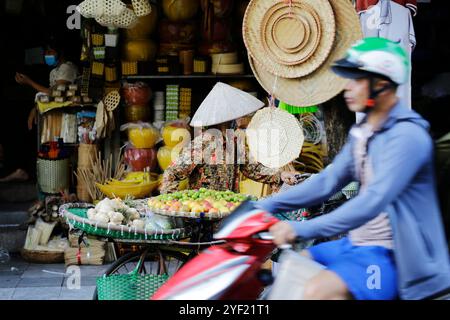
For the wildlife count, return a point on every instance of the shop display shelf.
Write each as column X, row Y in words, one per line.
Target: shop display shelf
column 194, row 76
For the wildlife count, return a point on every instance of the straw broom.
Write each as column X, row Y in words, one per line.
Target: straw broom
column 101, row 172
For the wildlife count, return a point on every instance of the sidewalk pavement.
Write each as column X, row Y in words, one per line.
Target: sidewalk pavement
column 20, row 280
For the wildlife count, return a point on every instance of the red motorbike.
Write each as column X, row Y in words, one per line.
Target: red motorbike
column 230, row 271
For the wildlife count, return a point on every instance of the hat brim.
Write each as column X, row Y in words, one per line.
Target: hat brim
column 348, row 70
column 261, row 16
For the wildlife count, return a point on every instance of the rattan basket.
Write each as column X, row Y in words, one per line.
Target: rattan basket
column 53, row 175
column 39, row 256
column 76, row 217
column 83, row 193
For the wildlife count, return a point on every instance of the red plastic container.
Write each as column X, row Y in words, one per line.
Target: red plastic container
column 141, row 159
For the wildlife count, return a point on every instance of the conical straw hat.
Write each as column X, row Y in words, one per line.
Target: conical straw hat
column 289, row 38
column 224, row 103
column 322, row 84
column 275, row 137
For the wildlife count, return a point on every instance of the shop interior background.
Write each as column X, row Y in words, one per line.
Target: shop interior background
column 26, row 26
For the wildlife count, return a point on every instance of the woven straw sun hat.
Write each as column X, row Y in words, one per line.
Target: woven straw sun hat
column 322, row 84
column 289, row 38
column 275, row 137
column 224, row 103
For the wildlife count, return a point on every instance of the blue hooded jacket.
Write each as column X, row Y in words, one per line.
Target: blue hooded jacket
column 403, row 185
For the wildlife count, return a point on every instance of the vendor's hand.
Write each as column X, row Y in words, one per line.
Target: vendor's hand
column 22, row 79
column 289, row 177
column 32, row 118
column 283, row 233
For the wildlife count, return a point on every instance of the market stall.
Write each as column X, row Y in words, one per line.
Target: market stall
column 148, row 68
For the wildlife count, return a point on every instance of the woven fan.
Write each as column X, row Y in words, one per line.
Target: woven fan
column 112, row 101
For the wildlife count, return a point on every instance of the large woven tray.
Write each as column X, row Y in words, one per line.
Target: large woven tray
column 76, row 217
column 190, row 215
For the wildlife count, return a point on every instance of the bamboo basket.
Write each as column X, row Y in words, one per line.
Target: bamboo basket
column 39, row 256
column 83, row 193
column 84, row 256
column 86, row 152
column 53, row 175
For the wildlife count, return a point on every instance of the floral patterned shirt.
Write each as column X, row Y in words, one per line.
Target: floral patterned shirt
column 203, row 163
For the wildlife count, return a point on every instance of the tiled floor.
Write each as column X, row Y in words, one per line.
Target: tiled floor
column 20, row 280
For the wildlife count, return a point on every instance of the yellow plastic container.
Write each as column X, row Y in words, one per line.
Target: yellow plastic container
column 143, row 138
column 165, row 157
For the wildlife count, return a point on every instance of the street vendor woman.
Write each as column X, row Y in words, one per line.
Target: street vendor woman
column 63, row 73
column 203, row 161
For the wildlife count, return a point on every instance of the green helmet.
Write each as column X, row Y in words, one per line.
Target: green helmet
column 374, row 56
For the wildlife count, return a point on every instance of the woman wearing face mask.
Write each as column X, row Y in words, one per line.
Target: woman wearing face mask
column 63, row 73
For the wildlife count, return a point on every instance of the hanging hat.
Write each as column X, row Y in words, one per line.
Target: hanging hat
column 275, row 137
column 289, row 38
column 322, row 84
column 224, row 103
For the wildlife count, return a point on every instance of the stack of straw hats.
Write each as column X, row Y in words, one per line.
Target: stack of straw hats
column 292, row 43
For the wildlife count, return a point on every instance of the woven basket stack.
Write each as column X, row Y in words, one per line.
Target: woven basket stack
column 292, row 43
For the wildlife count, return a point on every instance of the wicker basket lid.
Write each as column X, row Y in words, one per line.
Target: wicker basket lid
column 224, row 103
column 126, row 20
column 141, row 7
column 101, row 8
column 322, row 84
column 290, row 39
column 275, row 137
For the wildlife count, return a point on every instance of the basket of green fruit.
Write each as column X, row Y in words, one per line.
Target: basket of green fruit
column 203, row 203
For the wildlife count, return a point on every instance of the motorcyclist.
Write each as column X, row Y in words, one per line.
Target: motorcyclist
column 394, row 224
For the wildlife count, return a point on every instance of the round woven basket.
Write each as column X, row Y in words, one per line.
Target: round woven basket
column 76, row 217
column 39, row 256
column 292, row 39
column 82, row 193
